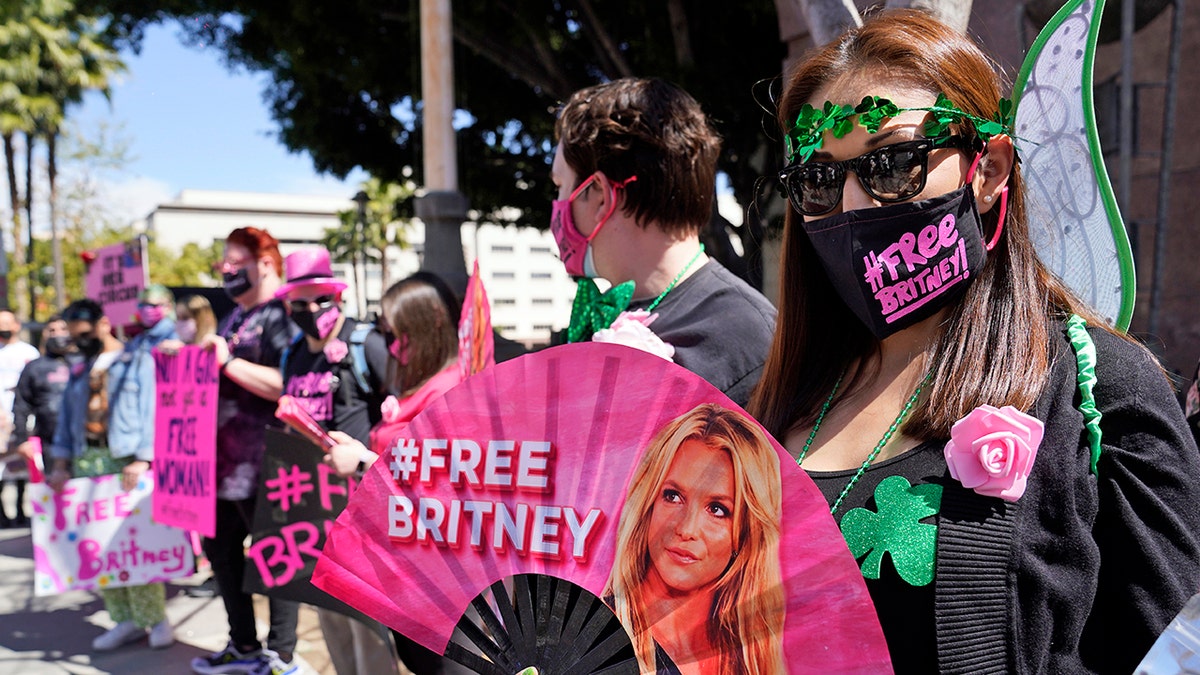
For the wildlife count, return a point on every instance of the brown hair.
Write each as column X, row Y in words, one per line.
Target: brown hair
column 995, row 346
column 260, row 243
column 650, row 129
column 199, row 308
column 423, row 308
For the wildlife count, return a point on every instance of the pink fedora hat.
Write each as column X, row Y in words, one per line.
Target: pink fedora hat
column 309, row 269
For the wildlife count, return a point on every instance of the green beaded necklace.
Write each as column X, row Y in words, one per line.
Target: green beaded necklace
column 887, row 435
column 675, row 280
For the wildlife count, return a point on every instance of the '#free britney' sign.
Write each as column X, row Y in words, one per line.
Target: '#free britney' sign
column 632, row 479
column 94, row 535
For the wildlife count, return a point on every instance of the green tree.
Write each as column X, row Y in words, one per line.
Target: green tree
column 50, row 54
column 367, row 236
column 345, row 78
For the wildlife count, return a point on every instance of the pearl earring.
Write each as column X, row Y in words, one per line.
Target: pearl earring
column 988, row 199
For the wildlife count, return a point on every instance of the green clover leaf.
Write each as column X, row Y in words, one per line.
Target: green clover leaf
column 896, row 529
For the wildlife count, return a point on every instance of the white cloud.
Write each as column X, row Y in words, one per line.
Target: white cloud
column 135, row 198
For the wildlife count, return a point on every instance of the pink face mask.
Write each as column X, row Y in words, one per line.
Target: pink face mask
column 150, row 315
column 398, row 348
column 572, row 245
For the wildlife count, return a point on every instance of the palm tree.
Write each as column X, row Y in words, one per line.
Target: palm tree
column 385, row 216
column 72, row 59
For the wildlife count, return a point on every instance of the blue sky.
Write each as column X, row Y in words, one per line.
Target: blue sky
column 194, row 124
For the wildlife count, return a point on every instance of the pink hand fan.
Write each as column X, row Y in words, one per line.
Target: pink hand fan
column 543, row 501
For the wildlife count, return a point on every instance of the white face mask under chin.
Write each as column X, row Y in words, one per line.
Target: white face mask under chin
column 589, row 264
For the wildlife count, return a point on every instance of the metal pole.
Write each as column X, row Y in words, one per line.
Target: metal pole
column 360, row 291
column 437, row 95
column 1166, row 158
column 1125, row 119
column 442, row 209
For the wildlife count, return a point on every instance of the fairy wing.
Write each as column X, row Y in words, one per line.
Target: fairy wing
column 1073, row 215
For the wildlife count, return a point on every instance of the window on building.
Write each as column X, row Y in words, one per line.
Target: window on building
column 504, row 302
column 504, row 275
column 541, row 275
column 539, row 249
column 541, row 326
column 543, row 301
column 502, row 248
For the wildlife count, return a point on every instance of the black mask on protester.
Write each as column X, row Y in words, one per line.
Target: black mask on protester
column 317, row 325
column 6, row 335
column 58, row 345
column 898, row 264
column 237, row 283
column 89, row 345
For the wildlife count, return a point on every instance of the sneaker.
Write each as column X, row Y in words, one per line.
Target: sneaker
column 120, row 634
column 206, row 589
column 270, row 664
column 228, row 660
column 162, row 635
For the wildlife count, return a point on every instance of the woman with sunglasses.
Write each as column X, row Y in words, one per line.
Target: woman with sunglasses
column 1030, row 479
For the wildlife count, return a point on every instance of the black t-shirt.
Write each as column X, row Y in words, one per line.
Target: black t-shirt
column 329, row 390
column 905, row 611
column 259, row 336
column 720, row 327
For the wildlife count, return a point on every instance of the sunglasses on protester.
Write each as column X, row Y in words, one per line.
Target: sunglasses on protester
column 892, row 173
column 301, row 305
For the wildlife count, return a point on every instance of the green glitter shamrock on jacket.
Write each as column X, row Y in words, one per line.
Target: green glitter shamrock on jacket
column 896, row 528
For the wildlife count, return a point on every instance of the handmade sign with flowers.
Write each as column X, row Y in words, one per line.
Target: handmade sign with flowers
column 991, row 450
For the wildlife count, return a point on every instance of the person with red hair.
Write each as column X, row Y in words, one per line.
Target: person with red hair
column 248, row 346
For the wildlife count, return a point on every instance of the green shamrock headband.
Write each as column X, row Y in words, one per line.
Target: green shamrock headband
column 807, row 134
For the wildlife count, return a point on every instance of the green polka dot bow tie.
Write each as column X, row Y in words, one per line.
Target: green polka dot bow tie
column 593, row 310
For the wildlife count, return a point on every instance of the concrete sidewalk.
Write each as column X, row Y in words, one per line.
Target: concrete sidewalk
column 53, row 635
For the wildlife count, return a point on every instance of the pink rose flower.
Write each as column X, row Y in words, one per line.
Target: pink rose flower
column 632, row 329
column 992, row 450
column 391, row 410
column 335, row 351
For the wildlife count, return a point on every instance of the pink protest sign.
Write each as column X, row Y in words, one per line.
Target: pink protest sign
column 185, row 439
column 94, row 535
column 632, row 479
column 115, row 277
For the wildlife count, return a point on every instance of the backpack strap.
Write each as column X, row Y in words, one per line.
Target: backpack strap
column 287, row 351
column 358, row 356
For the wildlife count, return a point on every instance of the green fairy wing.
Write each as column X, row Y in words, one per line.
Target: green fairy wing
column 1073, row 216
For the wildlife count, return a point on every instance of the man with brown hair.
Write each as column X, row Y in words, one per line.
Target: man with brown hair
column 636, row 169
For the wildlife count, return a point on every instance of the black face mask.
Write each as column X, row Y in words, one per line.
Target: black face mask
column 896, row 265
column 6, row 335
column 237, row 283
column 317, row 325
column 89, row 345
column 58, row 345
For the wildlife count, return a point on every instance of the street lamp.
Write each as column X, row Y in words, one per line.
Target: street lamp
column 360, row 224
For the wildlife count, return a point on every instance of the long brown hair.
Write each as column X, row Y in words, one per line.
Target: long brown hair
column 746, row 623
column 422, row 310
column 995, row 346
column 199, row 308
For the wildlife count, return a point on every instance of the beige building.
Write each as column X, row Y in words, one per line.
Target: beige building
column 530, row 293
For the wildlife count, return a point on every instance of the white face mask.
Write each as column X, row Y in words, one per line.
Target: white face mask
column 589, row 264
column 186, row 330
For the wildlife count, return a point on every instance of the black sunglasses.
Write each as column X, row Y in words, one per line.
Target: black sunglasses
column 892, row 173
column 302, row 305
